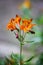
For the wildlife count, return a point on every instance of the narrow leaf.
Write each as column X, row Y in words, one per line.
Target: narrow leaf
column 30, row 59
column 28, row 41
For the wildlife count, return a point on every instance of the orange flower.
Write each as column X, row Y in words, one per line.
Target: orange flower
column 11, row 26
column 26, row 22
column 17, row 19
column 27, row 28
column 25, row 4
column 26, row 25
column 22, row 27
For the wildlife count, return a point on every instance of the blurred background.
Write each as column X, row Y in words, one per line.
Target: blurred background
column 8, row 41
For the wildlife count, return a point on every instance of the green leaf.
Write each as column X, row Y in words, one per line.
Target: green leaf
column 28, row 41
column 27, row 63
column 30, row 59
column 15, row 57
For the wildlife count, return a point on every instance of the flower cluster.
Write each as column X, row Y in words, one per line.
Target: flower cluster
column 20, row 27
column 18, row 23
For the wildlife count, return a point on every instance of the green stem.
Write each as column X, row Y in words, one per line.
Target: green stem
column 20, row 53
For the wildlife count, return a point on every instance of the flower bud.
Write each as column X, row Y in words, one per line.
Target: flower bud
column 32, row 32
column 16, row 35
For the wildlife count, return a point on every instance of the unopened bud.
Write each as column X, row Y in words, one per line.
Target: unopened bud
column 16, row 35
column 32, row 32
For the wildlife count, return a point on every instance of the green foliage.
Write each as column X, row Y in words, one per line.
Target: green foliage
column 14, row 59
column 2, row 62
column 39, row 20
column 28, row 63
column 40, row 60
column 30, row 59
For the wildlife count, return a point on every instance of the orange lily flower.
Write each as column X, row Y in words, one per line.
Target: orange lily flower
column 11, row 26
column 26, row 22
column 17, row 19
column 27, row 28
column 26, row 25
